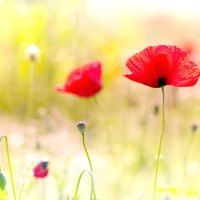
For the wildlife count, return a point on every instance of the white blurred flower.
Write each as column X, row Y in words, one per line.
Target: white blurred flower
column 32, row 52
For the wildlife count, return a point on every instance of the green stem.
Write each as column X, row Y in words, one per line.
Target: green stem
column 9, row 165
column 24, row 180
column 78, row 184
column 160, row 144
column 21, row 189
column 89, row 161
column 86, row 151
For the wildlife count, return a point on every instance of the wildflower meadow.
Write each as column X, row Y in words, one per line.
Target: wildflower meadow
column 100, row 100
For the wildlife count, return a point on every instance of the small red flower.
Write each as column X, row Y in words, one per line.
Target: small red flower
column 157, row 66
column 84, row 81
column 41, row 169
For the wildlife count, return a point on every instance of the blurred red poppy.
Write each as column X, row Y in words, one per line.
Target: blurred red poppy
column 157, row 66
column 41, row 169
column 84, row 81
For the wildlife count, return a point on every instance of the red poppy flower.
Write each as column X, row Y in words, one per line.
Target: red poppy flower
column 157, row 66
column 41, row 169
column 85, row 81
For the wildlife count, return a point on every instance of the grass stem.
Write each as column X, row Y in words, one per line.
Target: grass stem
column 9, row 165
column 89, row 161
column 78, row 184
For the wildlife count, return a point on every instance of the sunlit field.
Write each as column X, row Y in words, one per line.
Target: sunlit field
column 115, row 153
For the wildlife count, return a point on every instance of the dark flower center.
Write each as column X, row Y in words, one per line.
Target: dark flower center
column 44, row 164
column 162, row 82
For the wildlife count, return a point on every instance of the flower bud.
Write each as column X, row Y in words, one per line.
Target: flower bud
column 156, row 109
column 194, row 128
column 82, row 127
column 41, row 169
column 2, row 181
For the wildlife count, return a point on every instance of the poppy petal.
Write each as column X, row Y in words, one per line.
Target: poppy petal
column 185, row 72
column 84, row 81
column 168, row 65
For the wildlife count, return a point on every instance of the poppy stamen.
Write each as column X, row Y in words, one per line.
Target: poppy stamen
column 162, row 82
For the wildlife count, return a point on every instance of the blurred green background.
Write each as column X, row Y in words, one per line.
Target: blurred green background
column 125, row 125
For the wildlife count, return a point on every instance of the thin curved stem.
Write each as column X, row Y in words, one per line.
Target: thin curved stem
column 9, row 165
column 160, row 144
column 86, row 151
column 21, row 189
column 78, row 184
column 24, row 181
column 89, row 161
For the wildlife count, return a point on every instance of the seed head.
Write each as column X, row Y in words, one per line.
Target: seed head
column 82, row 127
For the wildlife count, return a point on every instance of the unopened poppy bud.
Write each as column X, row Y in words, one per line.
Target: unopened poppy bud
column 32, row 52
column 41, row 169
column 156, row 109
column 194, row 128
column 2, row 181
column 82, row 127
